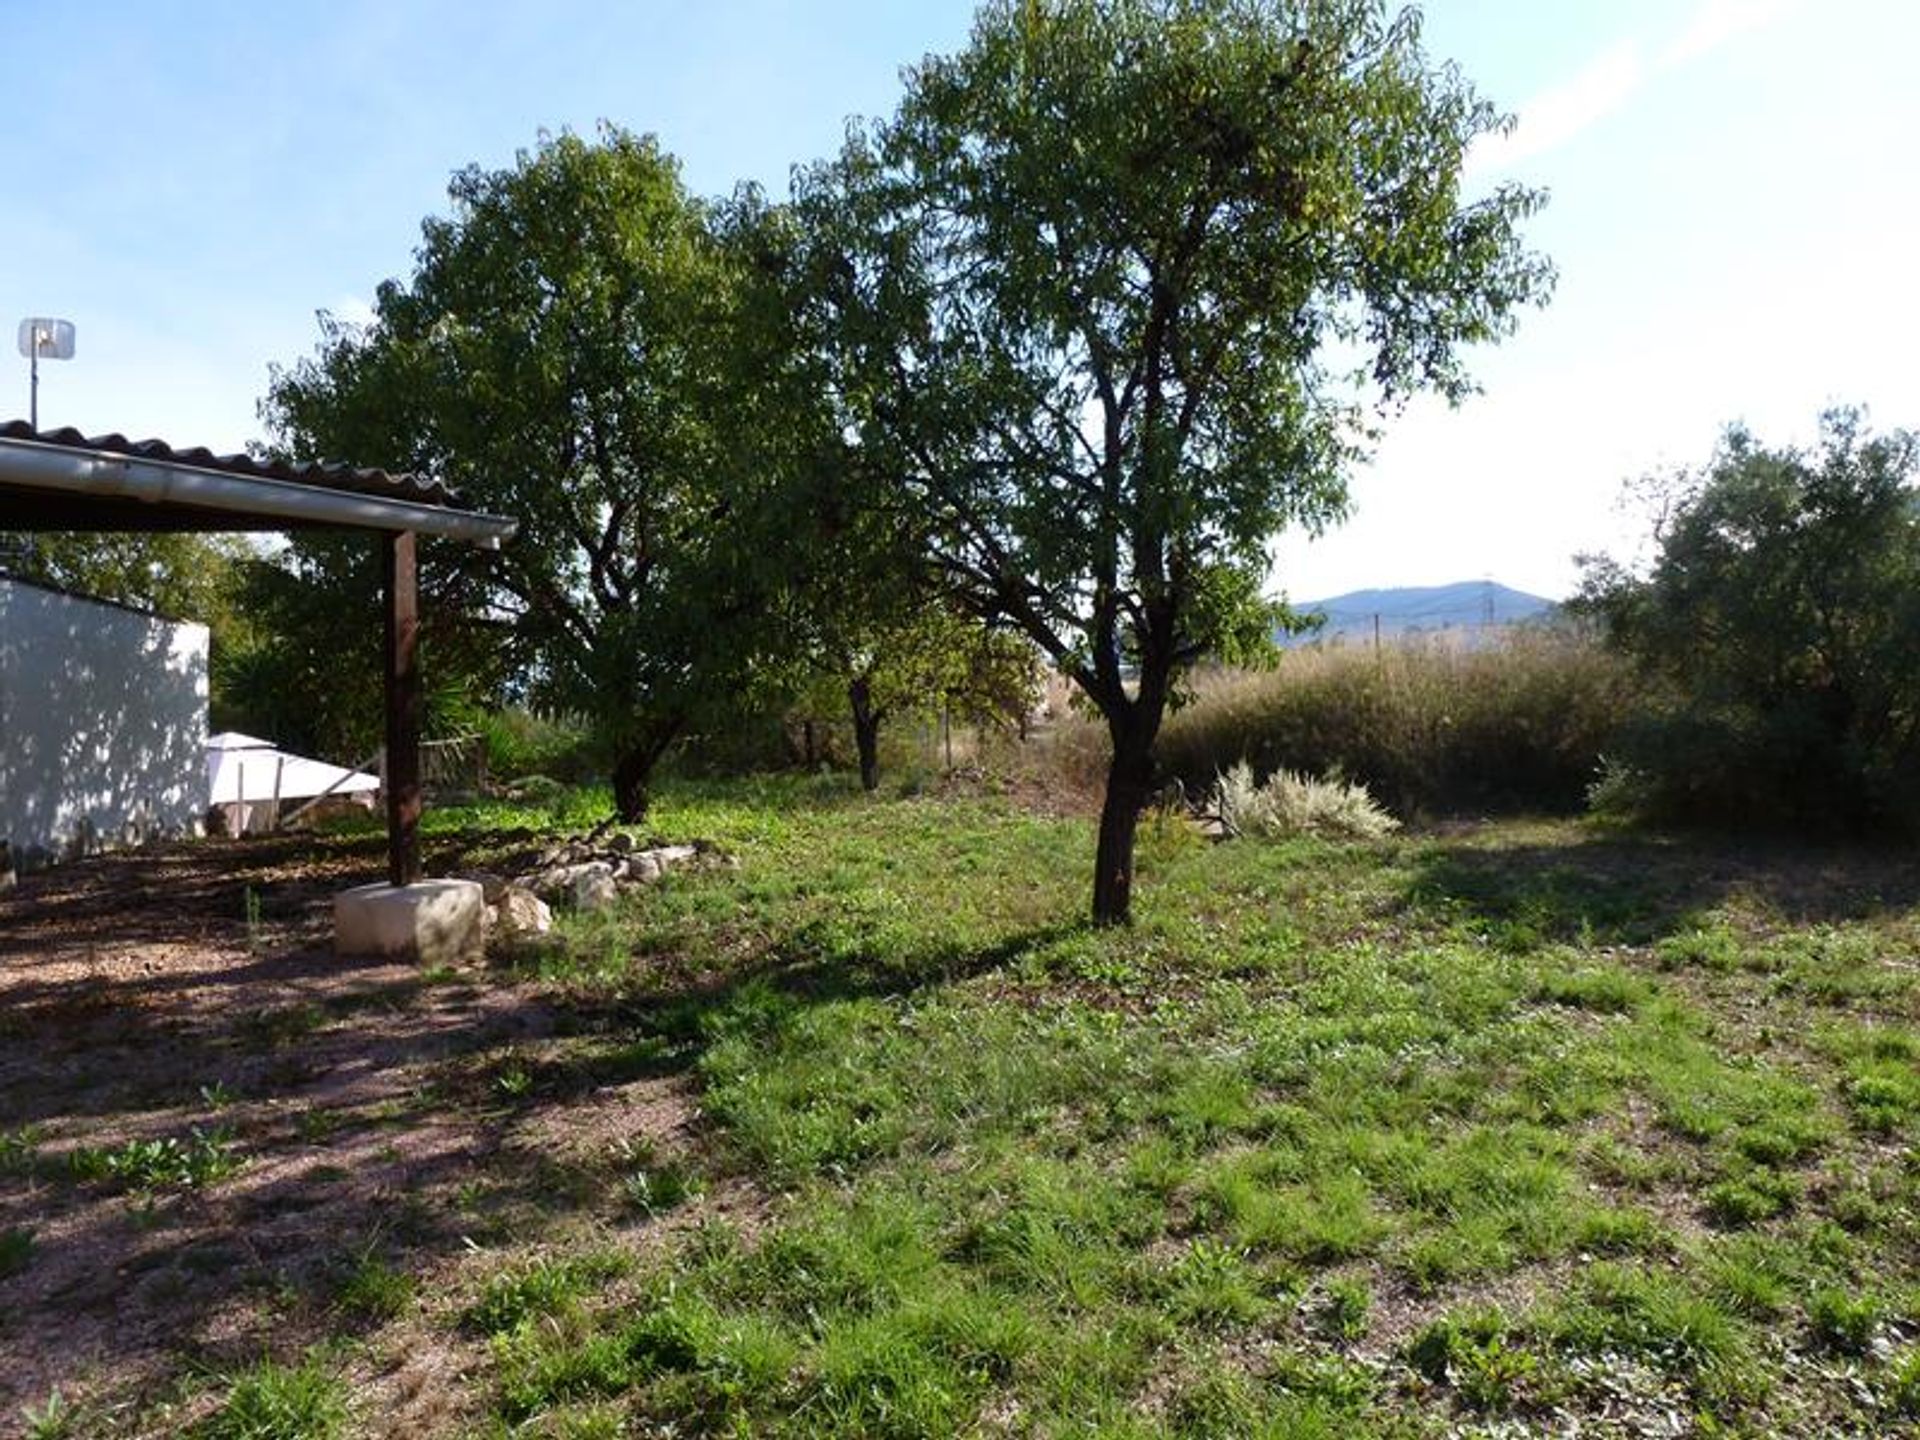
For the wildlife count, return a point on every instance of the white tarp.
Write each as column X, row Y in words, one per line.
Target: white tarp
column 247, row 775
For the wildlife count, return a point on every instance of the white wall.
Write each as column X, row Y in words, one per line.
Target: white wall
column 103, row 724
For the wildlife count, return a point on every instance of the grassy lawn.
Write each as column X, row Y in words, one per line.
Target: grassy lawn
column 1512, row 1129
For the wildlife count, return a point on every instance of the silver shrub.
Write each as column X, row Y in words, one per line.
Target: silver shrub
column 1287, row 804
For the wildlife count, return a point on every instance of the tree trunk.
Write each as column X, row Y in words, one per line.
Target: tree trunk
column 1129, row 783
column 866, row 731
column 632, row 792
column 633, row 771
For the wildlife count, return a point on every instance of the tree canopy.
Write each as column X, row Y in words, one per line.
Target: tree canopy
column 561, row 355
column 1781, row 614
column 182, row 576
column 1111, row 299
column 1117, row 294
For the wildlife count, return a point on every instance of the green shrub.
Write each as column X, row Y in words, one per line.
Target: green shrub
column 1348, row 1301
column 1779, row 627
column 372, row 1288
column 1645, row 1312
column 16, row 1249
column 1843, row 1321
column 542, row 1287
column 1473, row 1352
column 522, row 743
column 55, row 1419
column 1903, row 1382
column 653, row 1186
column 168, row 1162
column 1748, row 1199
column 1621, row 790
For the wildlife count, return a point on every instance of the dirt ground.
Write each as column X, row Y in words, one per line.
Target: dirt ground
column 370, row 1116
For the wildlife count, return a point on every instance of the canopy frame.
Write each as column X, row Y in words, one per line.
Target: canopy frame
column 65, row 481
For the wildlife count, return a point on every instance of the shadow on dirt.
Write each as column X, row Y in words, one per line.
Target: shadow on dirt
column 207, row 1119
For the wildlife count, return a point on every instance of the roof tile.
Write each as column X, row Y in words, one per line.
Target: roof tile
column 322, row 475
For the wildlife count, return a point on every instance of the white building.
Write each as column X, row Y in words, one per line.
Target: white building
column 103, row 724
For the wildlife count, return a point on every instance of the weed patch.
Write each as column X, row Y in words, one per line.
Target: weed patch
column 204, row 1157
column 272, row 1401
column 539, row 1288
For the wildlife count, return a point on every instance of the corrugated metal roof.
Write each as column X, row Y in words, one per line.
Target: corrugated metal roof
column 321, row 475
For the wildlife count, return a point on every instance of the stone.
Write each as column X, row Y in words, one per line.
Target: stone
column 436, row 922
column 565, row 879
column 492, row 886
column 620, row 842
column 595, row 889
column 641, row 868
column 519, row 912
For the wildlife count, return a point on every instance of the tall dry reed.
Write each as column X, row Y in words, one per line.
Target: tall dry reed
column 1427, row 727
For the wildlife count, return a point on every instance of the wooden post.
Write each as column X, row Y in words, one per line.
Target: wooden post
column 403, row 709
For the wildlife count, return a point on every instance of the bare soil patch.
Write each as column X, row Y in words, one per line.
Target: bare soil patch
column 208, row 1119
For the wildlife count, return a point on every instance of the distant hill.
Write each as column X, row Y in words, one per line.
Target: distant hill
column 1465, row 608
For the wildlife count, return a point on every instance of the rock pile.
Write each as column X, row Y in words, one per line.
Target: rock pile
column 588, row 873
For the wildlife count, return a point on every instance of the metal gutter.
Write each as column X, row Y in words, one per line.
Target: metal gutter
column 99, row 472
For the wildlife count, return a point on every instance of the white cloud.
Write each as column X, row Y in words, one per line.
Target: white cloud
column 1562, row 112
column 1558, row 114
column 1716, row 22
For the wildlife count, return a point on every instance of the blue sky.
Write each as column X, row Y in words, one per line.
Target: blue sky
column 1733, row 213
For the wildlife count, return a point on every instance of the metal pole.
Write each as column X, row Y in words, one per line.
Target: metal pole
column 33, row 389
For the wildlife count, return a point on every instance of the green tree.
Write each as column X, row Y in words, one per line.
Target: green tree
column 1111, row 298
column 1780, row 616
column 931, row 660
column 862, row 612
column 306, row 662
column 184, row 577
column 562, row 355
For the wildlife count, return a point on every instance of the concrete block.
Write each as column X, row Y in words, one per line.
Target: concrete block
column 437, row 922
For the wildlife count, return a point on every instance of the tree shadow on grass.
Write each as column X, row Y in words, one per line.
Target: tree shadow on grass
column 368, row 1107
column 1627, row 889
column 669, row 1016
